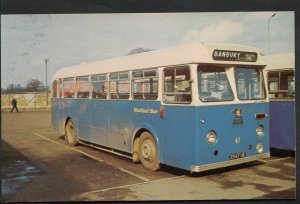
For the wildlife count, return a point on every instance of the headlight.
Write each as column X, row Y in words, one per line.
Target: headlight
column 260, row 131
column 211, row 138
column 259, row 147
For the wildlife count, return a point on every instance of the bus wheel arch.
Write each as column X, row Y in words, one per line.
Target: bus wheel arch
column 70, row 133
column 148, row 151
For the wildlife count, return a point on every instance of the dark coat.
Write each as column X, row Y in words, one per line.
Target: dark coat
column 14, row 102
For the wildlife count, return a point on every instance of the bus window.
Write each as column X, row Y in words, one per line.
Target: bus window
column 54, row 89
column 281, row 84
column 119, row 85
column 59, row 88
column 214, row 85
column 145, row 85
column 285, row 79
column 177, row 87
column 273, row 81
column 83, row 87
column 68, row 87
column 250, row 84
column 291, row 86
column 99, row 86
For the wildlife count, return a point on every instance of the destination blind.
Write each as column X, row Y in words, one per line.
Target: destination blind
column 229, row 55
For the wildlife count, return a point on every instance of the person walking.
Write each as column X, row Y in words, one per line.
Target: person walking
column 14, row 105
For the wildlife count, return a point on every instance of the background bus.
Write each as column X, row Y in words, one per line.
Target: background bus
column 281, row 83
column 195, row 106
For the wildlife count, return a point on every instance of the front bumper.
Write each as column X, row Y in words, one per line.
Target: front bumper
column 207, row 167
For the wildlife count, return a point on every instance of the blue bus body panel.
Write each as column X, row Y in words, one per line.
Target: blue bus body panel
column 282, row 124
column 232, row 138
column 61, row 109
column 99, row 122
column 127, row 117
column 110, row 123
column 180, row 136
column 184, row 136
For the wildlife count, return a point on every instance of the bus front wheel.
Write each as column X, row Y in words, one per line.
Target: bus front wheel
column 147, row 152
column 70, row 133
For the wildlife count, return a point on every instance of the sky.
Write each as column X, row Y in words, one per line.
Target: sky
column 70, row 39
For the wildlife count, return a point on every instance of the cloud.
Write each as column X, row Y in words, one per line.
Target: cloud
column 221, row 32
column 69, row 39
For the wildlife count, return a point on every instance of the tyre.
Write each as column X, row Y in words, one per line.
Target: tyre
column 70, row 136
column 148, row 153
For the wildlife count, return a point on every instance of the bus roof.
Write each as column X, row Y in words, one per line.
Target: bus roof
column 279, row 61
column 181, row 54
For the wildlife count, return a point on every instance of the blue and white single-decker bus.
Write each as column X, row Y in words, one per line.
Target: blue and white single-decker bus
column 196, row 106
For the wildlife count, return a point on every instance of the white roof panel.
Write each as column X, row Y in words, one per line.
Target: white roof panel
column 279, row 61
column 182, row 54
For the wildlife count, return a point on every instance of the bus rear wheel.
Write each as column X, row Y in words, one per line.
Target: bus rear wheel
column 70, row 133
column 147, row 152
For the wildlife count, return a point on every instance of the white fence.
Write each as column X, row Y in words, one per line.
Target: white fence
column 30, row 100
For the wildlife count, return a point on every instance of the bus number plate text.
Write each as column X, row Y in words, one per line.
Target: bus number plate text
column 237, row 155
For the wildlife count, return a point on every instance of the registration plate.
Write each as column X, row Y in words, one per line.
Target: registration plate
column 237, row 155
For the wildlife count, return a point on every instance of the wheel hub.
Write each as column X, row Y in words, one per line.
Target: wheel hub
column 147, row 149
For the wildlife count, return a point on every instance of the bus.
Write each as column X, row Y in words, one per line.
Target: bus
column 196, row 107
column 281, row 83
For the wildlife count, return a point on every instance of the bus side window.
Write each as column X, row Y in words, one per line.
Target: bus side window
column 59, row 88
column 177, row 87
column 281, row 84
column 119, row 85
column 69, row 88
column 99, row 87
column 83, row 87
column 54, row 89
column 145, row 85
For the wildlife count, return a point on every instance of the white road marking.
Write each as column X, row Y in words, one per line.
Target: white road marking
column 136, row 175
column 76, row 150
column 8, row 134
column 88, row 155
column 274, row 160
column 89, row 193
